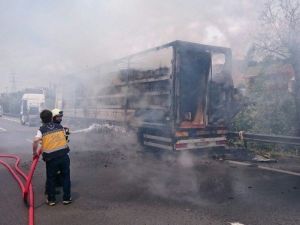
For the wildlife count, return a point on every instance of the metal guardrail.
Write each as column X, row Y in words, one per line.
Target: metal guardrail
column 273, row 139
column 11, row 115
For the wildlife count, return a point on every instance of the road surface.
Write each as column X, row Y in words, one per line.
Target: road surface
column 115, row 182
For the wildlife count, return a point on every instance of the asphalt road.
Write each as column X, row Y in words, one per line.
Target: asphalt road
column 115, row 182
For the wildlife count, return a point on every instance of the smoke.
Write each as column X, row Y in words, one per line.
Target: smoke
column 186, row 160
column 177, row 176
column 182, row 177
column 55, row 38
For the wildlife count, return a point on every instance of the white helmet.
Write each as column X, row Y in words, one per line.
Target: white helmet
column 57, row 112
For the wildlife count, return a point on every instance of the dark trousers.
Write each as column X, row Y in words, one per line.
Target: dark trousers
column 61, row 164
column 58, row 182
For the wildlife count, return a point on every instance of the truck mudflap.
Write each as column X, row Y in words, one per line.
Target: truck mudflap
column 198, row 143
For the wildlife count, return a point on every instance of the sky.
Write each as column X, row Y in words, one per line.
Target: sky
column 43, row 40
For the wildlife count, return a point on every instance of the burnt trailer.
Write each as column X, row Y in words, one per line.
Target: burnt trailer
column 176, row 96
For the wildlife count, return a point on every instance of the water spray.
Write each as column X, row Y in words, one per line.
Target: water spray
column 101, row 128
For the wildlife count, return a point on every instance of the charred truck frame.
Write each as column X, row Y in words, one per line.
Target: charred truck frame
column 176, row 96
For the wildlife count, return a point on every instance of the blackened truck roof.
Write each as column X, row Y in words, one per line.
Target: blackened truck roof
column 187, row 45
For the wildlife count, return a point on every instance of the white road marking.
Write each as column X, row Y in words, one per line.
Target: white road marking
column 265, row 168
column 2, row 129
column 236, row 223
column 11, row 119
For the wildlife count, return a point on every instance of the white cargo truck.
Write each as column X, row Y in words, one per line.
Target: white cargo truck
column 31, row 106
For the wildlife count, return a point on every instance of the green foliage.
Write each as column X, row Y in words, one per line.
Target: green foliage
column 245, row 120
column 11, row 102
column 271, row 109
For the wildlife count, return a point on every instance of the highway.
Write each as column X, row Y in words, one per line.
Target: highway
column 115, row 182
column 14, row 137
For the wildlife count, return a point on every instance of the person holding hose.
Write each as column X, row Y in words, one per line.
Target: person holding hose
column 55, row 151
column 57, row 115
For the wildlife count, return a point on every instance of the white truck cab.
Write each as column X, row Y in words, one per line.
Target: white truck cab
column 31, row 106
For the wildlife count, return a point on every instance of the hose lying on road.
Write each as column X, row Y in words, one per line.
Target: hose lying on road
column 24, row 188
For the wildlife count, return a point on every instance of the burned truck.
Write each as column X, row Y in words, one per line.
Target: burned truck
column 177, row 96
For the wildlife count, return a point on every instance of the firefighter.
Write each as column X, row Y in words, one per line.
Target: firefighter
column 57, row 118
column 57, row 115
column 55, row 151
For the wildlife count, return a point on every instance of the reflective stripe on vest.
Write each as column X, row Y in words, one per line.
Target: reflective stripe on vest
column 54, row 141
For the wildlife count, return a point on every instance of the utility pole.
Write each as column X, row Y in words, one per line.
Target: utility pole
column 13, row 83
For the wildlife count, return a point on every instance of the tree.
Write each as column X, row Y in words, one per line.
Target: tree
column 279, row 37
column 271, row 108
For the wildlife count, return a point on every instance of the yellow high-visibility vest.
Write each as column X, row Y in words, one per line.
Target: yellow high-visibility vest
column 53, row 141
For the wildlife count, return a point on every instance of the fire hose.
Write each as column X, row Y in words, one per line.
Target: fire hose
column 26, row 189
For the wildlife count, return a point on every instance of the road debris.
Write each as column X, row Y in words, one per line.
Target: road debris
column 264, row 159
